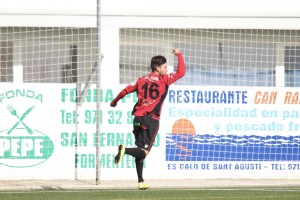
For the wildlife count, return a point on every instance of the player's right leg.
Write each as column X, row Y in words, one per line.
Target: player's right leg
column 120, row 154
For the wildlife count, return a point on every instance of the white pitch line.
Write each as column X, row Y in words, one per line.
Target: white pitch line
column 153, row 189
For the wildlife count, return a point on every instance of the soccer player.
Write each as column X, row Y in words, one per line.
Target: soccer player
column 151, row 91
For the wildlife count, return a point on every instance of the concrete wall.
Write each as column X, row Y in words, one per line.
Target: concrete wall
column 200, row 13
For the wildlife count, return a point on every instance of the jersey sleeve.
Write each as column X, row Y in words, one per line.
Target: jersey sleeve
column 128, row 89
column 180, row 72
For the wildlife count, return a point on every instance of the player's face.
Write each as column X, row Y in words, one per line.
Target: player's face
column 162, row 69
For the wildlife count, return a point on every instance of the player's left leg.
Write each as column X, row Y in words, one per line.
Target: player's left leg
column 140, row 155
column 145, row 130
column 135, row 152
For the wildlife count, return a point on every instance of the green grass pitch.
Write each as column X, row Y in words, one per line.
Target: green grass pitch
column 260, row 193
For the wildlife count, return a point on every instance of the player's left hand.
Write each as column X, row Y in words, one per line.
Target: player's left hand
column 112, row 104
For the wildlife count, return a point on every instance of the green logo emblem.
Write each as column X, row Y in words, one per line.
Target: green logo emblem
column 23, row 146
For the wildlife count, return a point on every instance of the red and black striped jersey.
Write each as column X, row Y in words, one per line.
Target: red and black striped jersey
column 152, row 90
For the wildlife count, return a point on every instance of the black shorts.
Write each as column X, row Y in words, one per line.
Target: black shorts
column 145, row 129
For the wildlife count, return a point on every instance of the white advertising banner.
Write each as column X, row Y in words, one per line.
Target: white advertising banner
column 205, row 132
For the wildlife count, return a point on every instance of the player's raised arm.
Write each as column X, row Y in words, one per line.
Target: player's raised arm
column 180, row 72
column 181, row 66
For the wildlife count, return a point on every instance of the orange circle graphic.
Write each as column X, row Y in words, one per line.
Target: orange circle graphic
column 183, row 126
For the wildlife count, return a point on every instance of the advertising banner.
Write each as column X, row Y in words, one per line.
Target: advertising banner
column 205, row 132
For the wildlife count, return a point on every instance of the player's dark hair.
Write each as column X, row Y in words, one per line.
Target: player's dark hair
column 157, row 61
